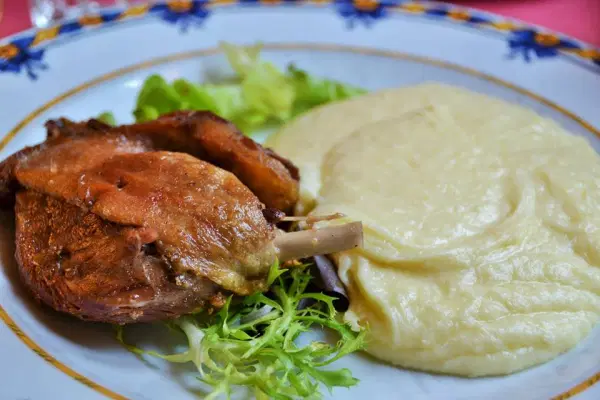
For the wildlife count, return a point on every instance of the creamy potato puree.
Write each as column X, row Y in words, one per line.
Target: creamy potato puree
column 482, row 225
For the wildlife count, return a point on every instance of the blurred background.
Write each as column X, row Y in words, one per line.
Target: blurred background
column 577, row 18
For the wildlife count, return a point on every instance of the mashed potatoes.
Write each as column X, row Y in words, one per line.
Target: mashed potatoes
column 482, row 225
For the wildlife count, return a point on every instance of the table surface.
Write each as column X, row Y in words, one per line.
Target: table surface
column 577, row 18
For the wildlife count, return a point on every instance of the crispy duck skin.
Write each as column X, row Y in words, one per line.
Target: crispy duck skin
column 273, row 179
column 204, row 220
column 80, row 264
column 137, row 236
column 112, row 229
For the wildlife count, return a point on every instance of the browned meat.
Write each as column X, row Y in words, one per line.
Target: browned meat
column 206, row 222
column 273, row 179
column 204, row 228
column 202, row 134
column 8, row 182
column 78, row 263
column 109, row 229
column 61, row 136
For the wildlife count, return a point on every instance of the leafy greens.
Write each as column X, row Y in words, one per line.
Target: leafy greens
column 260, row 96
column 253, row 343
column 108, row 118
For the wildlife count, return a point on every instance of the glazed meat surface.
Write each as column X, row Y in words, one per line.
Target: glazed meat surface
column 204, row 220
column 273, row 179
column 78, row 263
column 110, row 228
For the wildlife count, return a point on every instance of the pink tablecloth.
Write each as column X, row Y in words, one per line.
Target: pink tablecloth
column 577, row 18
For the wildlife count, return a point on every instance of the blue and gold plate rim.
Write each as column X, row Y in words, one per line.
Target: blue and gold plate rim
column 24, row 52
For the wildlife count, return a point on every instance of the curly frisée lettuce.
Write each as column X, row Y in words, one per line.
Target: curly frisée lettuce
column 252, row 343
column 260, row 96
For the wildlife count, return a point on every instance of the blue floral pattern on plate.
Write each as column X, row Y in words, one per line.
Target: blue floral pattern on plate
column 25, row 54
column 182, row 13
column 19, row 56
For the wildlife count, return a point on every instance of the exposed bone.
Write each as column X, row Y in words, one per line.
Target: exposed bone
column 314, row 242
column 313, row 219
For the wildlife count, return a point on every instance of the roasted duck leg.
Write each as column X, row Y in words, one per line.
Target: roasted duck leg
column 110, row 227
column 273, row 179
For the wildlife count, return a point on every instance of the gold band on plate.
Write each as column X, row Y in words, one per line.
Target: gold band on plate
column 272, row 46
column 62, row 367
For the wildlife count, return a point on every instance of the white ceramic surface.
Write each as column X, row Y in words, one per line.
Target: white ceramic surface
column 101, row 66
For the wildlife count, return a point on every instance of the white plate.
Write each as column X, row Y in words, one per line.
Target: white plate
column 81, row 68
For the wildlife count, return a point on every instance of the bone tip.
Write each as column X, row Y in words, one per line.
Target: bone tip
column 357, row 229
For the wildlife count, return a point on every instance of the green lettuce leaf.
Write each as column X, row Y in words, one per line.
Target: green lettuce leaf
column 260, row 96
column 196, row 97
column 157, row 97
column 241, row 58
column 265, row 89
column 311, row 92
column 107, row 118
